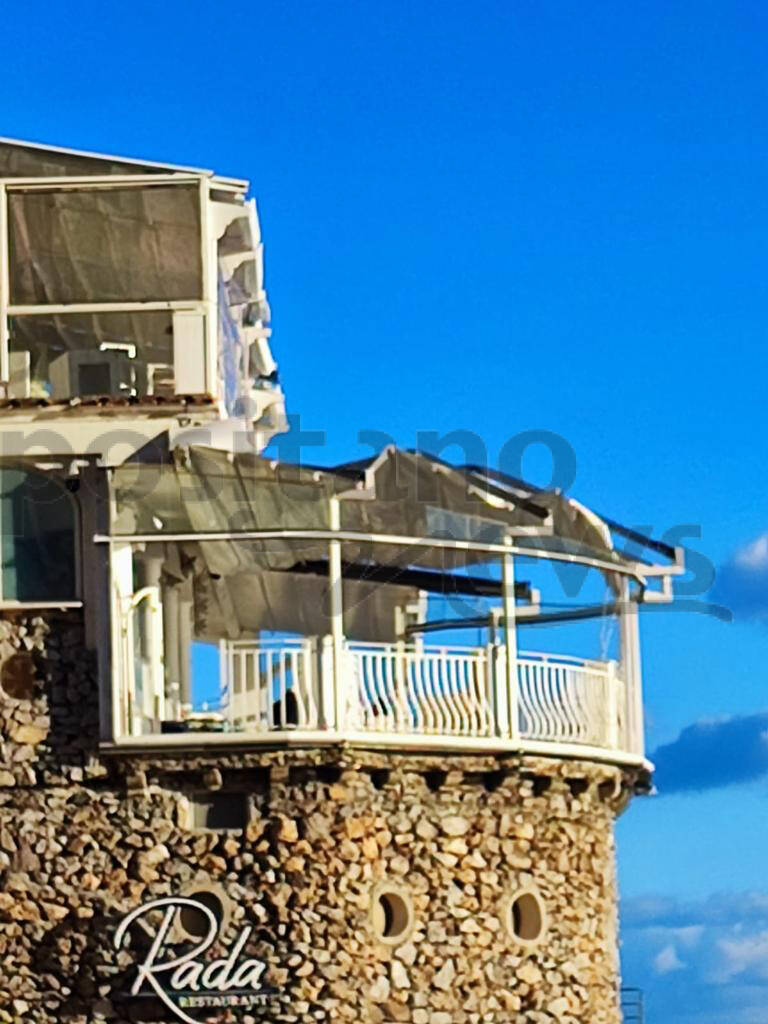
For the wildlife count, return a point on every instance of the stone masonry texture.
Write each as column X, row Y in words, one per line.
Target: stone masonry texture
column 86, row 837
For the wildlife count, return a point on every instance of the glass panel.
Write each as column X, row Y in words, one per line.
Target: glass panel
column 105, row 245
column 38, row 538
column 58, row 357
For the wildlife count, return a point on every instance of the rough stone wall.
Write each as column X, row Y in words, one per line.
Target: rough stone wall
column 49, row 711
column 84, row 840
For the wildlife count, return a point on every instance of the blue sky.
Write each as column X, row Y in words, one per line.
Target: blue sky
column 503, row 217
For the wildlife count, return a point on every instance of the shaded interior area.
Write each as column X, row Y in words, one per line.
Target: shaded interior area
column 70, row 355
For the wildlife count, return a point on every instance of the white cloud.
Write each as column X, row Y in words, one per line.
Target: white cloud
column 741, row 583
column 667, row 960
column 721, row 908
column 690, row 936
column 748, row 955
column 753, row 556
column 702, row 962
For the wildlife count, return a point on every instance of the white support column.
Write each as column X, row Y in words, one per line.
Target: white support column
column 153, row 570
column 185, row 638
column 326, row 689
column 170, row 598
column 630, row 669
column 123, row 669
column 497, row 673
column 510, row 642
column 227, row 680
column 210, row 290
column 336, row 587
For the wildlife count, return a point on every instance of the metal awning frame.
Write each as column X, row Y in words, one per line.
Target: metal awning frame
column 640, row 572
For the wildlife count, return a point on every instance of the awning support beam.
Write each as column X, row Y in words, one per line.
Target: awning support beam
column 433, row 581
column 635, row 570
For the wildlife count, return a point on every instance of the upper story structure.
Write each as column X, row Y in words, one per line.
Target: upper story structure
column 235, row 601
column 132, row 294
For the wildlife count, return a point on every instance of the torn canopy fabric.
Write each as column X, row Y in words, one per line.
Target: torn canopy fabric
column 247, row 603
column 397, row 494
column 245, row 585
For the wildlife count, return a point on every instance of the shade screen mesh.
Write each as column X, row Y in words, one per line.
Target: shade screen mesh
column 105, row 245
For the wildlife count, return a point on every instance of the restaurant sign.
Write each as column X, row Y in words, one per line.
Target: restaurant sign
column 188, row 980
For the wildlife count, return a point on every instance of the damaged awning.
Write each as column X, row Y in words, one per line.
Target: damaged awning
column 398, row 494
column 399, row 516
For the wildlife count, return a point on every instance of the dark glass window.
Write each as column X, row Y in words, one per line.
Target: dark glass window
column 38, row 521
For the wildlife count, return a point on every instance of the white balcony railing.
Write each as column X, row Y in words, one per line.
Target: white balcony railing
column 269, row 686
column 568, row 700
column 432, row 690
column 398, row 690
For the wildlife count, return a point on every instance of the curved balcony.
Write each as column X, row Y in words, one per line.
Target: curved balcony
column 229, row 631
column 418, row 696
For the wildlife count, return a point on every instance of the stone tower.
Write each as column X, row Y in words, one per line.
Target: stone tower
column 238, row 779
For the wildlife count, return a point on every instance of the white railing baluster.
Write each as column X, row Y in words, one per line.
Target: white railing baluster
column 268, row 688
column 367, row 688
column 298, row 698
column 422, row 672
column 412, row 692
column 572, row 694
column 475, row 694
column 539, row 702
column 384, row 667
column 308, row 654
column 458, row 670
column 449, row 691
column 430, row 704
column 282, row 701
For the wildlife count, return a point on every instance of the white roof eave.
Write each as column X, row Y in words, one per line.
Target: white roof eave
column 203, row 172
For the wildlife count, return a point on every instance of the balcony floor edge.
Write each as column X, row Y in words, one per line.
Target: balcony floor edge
column 425, row 744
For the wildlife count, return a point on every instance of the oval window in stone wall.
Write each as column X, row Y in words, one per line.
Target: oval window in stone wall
column 18, row 678
column 525, row 917
column 392, row 914
column 193, row 924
